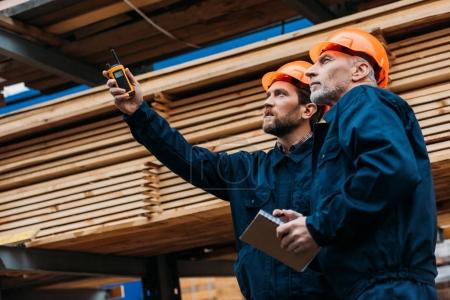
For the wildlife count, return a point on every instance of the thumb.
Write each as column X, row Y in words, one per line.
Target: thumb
column 291, row 215
column 277, row 213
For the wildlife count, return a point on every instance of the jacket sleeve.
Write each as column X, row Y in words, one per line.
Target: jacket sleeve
column 199, row 166
column 384, row 169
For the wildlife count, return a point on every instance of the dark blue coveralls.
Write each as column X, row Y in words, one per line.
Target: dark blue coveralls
column 249, row 181
column 373, row 206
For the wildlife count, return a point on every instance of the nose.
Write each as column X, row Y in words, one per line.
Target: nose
column 312, row 71
column 269, row 101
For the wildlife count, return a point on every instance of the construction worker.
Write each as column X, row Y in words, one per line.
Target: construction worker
column 373, row 207
column 249, row 181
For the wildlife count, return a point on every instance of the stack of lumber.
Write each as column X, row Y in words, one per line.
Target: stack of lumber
column 124, row 190
column 206, row 288
column 104, row 195
column 90, row 187
column 424, row 60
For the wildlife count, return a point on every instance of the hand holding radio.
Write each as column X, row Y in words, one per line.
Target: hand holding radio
column 124, row 87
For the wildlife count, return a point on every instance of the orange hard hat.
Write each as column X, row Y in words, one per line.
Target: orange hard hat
column 293, row 70
column 359, row 43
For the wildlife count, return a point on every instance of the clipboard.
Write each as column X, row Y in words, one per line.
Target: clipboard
column 261, row 234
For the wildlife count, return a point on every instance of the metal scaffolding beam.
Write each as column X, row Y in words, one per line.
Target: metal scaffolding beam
column 73, row 263
column 50, row 60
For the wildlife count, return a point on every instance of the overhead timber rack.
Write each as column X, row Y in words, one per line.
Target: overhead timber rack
column 72, row 175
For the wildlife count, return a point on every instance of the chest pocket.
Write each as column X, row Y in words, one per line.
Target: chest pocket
column 258, row 198
column 330, row 173
column 329, row 151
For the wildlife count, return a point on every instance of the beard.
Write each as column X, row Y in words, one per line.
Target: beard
column 280, row 127
column 329, row 95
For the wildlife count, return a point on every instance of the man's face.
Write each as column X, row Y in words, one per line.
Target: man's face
column 330, row 77
column 282, row 111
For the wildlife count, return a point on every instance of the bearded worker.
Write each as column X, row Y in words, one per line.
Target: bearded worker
column 279, row 178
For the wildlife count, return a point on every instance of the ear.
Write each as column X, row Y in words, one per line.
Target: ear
column 309, row 111
column 361, row 70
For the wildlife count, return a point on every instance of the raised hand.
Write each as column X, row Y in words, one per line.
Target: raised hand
column 126, row 103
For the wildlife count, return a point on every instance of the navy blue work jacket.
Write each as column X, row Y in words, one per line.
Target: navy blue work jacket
column 372, row 200
column 249, row 182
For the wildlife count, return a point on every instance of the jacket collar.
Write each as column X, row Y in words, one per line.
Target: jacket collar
column 297, row 153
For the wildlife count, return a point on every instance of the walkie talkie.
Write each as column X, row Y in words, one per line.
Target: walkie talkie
column 117, row 71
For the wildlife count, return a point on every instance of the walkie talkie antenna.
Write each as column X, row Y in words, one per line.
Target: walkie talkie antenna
column 115, row 56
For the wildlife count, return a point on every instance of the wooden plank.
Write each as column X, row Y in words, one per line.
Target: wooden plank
column 113, row 215
column 439, row 137
column 424, row 92
column 18, row 237
column 61, row 137
column 420, row 102
column 113, row 22
column 81, row 213
column 89, row 283
column 421, row 80
column 239, row 94
column 423, row 69
column 439, row 156
column 217, row 108
column 12, row 181
column 439, row 146
column 210, row 116
column 15, row 211
column 436, row 111
column 221, row 121
column 102, row 223
column 94, row 156
column 220, row 28
column 434, row 43
column 68, row 150
column 187, row 201
column 419, row 39
column 141, row 30
column 73, row 180
column 64, row 142
column 101, row 234
column 227, row 129
column 95, row 16
column 436, row 129
column 422, row 54
column 52, row 212
column 420, row 62
column 443, row 119
column 188, row 102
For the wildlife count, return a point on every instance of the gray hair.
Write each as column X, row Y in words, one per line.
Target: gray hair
column 371, row 74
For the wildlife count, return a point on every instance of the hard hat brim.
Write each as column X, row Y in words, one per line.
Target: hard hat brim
column 316, row 50
column 269, row 78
